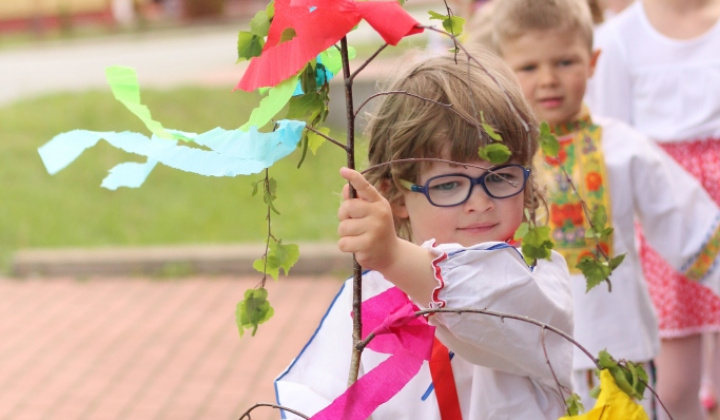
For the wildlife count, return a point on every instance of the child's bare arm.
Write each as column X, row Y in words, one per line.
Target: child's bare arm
column 366, row 229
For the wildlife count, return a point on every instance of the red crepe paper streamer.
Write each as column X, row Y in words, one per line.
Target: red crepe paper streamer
column 319, row 24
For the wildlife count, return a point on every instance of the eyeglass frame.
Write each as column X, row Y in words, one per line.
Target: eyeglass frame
column 473, row 182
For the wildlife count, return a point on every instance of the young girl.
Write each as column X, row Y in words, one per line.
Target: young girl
column 438, row 234
column 659, row 70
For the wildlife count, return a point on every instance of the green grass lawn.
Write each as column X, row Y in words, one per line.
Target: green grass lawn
column 70, row 209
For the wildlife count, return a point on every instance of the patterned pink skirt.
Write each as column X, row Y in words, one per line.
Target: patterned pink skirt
column 685, row 307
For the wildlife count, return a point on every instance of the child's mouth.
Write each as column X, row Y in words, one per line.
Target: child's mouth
column 551, row 102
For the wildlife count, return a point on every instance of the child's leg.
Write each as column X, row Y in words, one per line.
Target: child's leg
column 711, row 371
column 678, row 384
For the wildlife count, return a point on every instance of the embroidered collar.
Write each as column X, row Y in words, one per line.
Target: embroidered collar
column 583, row 121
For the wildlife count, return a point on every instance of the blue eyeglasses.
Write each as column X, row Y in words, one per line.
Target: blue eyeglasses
column 455, row 189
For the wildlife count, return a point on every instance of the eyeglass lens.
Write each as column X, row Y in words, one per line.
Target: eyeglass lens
column 448, row 190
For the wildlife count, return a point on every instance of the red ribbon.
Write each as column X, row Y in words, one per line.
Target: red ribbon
column 319, row 24
column 444, row 382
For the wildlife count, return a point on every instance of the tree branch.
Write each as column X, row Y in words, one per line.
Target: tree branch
column 326, row 137
column 371, row 58
column 246, row 414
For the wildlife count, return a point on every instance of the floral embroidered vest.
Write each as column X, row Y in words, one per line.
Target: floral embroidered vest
column 581, row 157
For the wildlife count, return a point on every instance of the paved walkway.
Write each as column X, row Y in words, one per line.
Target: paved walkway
column 144, row 349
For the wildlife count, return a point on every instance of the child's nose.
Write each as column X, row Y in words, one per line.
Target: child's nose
column 547, row 76
column 479, row 200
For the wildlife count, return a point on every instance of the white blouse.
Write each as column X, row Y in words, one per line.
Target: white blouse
column 499, row 366
column 668, row 89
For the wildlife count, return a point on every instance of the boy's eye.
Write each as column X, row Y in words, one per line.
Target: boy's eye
column 565, row 63
column 528, row 68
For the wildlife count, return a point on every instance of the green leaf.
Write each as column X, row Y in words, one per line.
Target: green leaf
column 287, row 34
column 595, row 271
column 260, row 24
column 548, row 142
column 306, row 107
column 284, row 256
column 521, row 231
column 616, row 261
column 436, row 15
column 629, row 377
column 332, row 59
column 249, row 45
column 277, row 97
column 495, row 153
column 315, row 140
column 605, row 360
column 454, row 25
column 279, row 256
column 536, row 244
column 574, row 405
column 253, row 310
column 256, row 187
column 269, row 194
column 488, row 128
column 598, row 218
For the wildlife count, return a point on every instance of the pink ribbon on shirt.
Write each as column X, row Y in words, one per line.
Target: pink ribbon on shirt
column 407, row 338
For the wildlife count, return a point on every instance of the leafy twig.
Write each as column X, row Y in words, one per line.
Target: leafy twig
column 325, row 136
column 364, row 64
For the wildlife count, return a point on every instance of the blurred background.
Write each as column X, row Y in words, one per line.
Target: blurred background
column 52, row 59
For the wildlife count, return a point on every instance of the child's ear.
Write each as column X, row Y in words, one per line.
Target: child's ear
column 398, row 205
column 593, row 61
column 399, row 209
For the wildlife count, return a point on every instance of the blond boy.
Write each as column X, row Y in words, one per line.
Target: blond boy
column 548, row 44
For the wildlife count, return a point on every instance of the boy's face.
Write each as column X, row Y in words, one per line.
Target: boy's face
column 553, row 67
column 480, row 219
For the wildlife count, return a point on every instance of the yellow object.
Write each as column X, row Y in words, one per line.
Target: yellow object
column 612, row 403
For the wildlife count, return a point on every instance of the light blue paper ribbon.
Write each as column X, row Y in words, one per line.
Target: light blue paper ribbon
column 231, row 152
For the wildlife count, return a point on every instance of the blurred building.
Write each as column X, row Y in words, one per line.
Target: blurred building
column 39, row 15
column 42, row 15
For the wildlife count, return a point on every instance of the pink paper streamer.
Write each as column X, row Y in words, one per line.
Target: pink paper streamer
column 403, row 335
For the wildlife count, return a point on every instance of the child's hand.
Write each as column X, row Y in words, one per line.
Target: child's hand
column 366, row 224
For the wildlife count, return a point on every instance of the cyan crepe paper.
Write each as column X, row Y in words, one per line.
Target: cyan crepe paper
column 232, row 152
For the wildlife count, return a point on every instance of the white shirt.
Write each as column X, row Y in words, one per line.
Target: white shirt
column 499, row 366
column 668, row 89
column 677, row 217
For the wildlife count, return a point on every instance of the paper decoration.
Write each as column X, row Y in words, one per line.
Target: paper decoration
column 407, row 338
column 232, row 152
column 226, row 153
column 612, row 403
column 126, row 89
column 317, row 25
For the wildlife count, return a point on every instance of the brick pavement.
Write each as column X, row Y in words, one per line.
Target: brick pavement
column 146, row 349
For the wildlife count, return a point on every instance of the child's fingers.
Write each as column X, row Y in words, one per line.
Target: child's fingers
column 363, row 188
